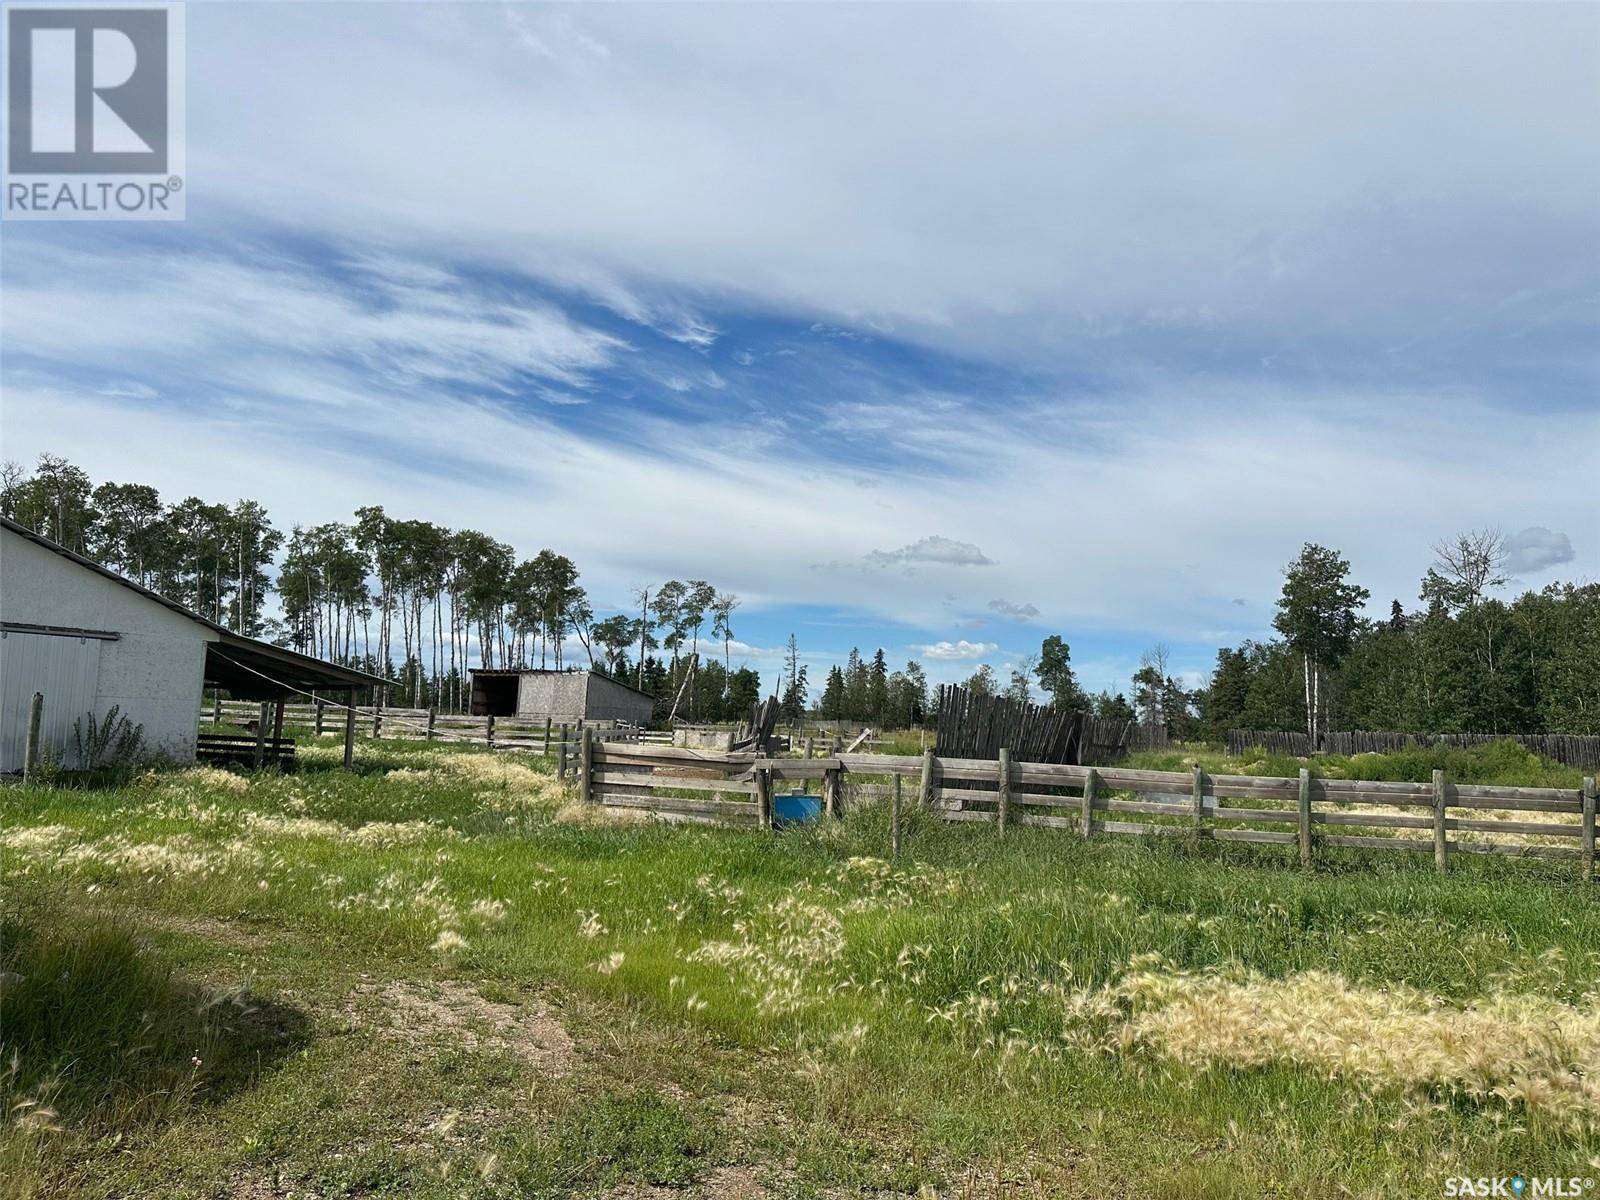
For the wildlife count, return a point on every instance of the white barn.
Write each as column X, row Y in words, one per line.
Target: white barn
column 89, row 639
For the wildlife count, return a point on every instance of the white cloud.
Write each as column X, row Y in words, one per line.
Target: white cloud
column 935, row 549
column 1537, row 549
column 1017, row 612
column 962, row 651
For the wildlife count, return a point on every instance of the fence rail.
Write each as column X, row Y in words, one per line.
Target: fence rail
column 1569, row 749
column 1438, row 817
column 422, row 724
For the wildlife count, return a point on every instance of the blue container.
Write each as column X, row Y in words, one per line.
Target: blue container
column 795, row 806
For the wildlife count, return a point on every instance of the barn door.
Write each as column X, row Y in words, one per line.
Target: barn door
column 66, row 668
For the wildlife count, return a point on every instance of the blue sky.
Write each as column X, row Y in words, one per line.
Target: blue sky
column 940, row 329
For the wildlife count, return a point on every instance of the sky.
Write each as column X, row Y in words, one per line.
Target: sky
column 934, row 328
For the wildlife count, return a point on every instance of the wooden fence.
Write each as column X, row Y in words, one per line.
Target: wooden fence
column 1440, row 817
column 1573, row 750
column 426, row 724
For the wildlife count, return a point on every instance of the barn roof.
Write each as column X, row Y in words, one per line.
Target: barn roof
column 248, row 668
column 552, row 671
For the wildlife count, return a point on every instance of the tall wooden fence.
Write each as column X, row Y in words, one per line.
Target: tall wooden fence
column 1573, row 750
column 970, row 725
column 1439, row 818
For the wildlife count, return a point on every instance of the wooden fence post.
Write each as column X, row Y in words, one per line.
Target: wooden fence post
column 1305, row 818
column 433, row 715
column 488, row 731
column 261, row 734
column 544, row 751
column 1588, row 828
column 377, row 718
column 277, row 731
column 1091, row 785
column 216, row 707
column 811, row 745
column 763, row 786
column 1003, row 807
column 321, row 704
column 832, row 786
column 927, row 778
column 894, row 818
column 1198, row 803
column 350, row 730
column 585, row 767
column 1440, row 846
column 30, row 748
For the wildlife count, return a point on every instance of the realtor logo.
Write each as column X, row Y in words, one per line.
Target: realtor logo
column 94, row 112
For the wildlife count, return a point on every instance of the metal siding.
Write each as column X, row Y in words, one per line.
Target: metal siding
column 66, row 670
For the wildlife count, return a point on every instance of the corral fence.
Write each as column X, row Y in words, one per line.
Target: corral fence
column 1439, row 817
column 322, row 717
column 1569, row 749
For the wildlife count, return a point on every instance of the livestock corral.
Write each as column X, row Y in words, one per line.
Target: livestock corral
column 457, row 970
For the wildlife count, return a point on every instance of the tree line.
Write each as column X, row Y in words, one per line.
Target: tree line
column 442, row 597
column 1458, row 660
column 417, row 602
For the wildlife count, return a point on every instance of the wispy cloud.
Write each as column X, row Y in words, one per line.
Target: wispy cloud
column 961, row 651
column 1017, row 612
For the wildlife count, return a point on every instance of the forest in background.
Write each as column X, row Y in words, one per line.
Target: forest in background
column 420, row 603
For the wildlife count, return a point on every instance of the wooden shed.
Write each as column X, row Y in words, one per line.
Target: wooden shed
column 563, row 696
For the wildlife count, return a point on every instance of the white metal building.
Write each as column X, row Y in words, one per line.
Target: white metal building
column 89, row 639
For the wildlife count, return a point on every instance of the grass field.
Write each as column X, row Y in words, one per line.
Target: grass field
column 439, row 977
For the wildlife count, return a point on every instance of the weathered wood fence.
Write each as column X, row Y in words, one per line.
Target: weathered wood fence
column 1439, row 817
column 1570, row 749
column 426, row 724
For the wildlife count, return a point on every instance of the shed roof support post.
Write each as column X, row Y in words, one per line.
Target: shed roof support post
column 261, row 735
column 350, row 731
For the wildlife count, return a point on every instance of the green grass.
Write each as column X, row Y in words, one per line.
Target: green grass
column 1505, row 763
column 791, row 1007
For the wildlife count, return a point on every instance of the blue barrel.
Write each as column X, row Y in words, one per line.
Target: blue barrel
column 795, row 806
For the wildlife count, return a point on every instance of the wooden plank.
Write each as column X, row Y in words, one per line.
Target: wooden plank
column 1441, row 847
column 1304, row 813
column 1587, row 850
column 1258, row 836
column 675, row 804
column 1003, row 778
column 1139, row 828
column 1377, row 843
column 646, row 780
column 894, row 819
